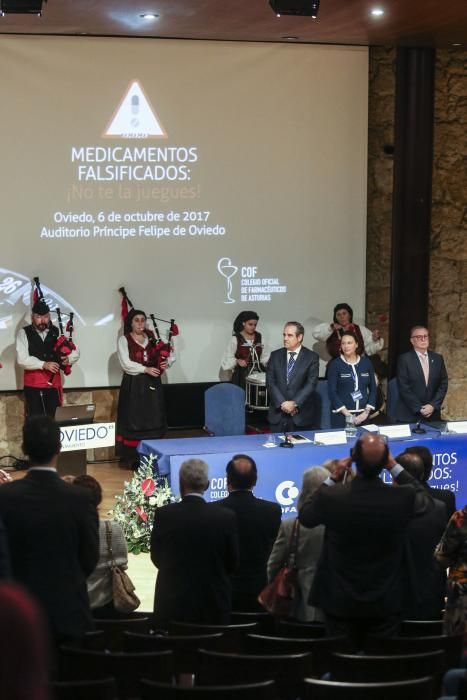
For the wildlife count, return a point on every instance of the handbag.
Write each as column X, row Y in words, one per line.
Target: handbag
column 125, row 599
column 279, row 595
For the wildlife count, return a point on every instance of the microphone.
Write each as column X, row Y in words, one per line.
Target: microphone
column 418, row 430
column 286, row 441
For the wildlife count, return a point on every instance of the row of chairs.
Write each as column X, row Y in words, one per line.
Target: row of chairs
column 223, row 654
column 310, row 689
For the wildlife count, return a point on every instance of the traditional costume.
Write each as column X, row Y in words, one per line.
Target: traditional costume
column 43, row 390
column 141, row 406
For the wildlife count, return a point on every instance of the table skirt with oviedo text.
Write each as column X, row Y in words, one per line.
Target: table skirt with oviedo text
column 280, row 470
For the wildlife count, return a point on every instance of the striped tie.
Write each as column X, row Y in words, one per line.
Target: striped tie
column 425, row 367
column 290, row 365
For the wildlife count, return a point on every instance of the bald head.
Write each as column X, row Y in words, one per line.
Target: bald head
column 413, row 464
column 241, row 473
column 370, row 455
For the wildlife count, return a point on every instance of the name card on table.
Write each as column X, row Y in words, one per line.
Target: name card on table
column 459, row 426
column 84, row 437
column 336, row 437
column 395, row 431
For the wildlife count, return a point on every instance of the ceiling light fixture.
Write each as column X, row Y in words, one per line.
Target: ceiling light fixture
column 149, row 15
column 377, row 12
column 298, row 8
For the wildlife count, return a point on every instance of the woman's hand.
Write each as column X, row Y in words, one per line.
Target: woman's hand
column 361, row 418
column 152, row 371
column 242, row 363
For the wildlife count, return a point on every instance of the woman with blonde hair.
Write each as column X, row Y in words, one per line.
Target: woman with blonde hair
column 308, row 549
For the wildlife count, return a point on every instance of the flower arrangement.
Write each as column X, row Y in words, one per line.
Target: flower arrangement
column 136, row 506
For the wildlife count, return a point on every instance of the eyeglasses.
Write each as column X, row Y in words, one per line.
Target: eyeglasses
column 420, row 337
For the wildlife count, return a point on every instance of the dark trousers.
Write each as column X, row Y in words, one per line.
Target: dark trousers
column 41, row 401
column 359, row 629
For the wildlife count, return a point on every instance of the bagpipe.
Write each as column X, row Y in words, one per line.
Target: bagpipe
column 164, row 348
column 64, row 344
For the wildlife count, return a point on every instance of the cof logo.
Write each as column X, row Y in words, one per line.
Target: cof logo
column 286, row 492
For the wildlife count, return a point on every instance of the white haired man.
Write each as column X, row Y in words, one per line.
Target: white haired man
column 195, row 549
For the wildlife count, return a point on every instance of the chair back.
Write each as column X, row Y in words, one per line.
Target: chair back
column 452, row 647
column 321, row 649
column 265, row 621
column 104, row 689
column 251, row 691
column 365, row 668
column 393, row 398
column 113, row 630
column 233, row 635
column 301, row 630
column 324, row 404
column 224, row 409
column 184, row 647
column 421, row 628
column 127, row 669
column 416, row 689
column 287, row 670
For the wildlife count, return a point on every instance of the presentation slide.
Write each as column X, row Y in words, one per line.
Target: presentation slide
column 206, row 178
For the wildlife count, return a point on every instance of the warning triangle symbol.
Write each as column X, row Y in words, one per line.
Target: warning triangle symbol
column 135, row 118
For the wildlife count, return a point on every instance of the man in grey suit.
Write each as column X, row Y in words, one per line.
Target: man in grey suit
column 422, row 381
column 292, row 374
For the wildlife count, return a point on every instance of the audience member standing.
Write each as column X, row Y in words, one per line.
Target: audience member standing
column 309, row 544
column 424, row 578
column 195, row 549
column 358, row 582
column 52, row 532
column 100, row 582
column 258, row 522
column 452, row 552
column 446, row 496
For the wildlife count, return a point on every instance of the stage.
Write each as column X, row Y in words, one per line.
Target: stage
column 280, row 470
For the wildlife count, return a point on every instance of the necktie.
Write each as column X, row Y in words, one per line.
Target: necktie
column 425, row 368
column 290, row 365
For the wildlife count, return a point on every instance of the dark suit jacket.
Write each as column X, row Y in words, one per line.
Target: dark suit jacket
column 424, row 578
column 195, row 549
column 445, row 496
column 258, row 523
column 53, row 535
column 359, row 574
column 301, row 387
column 414, row 392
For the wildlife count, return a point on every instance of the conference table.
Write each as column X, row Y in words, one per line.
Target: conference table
column 280, row 470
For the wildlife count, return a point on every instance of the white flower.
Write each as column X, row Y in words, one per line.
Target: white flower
column 152, row 501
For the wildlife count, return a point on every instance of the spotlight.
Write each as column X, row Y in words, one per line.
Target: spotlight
column 303, row 8
column 21, row 7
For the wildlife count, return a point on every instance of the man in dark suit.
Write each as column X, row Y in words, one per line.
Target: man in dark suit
column 195, row 549
column 424, row 579
column 52, row 530
column 292, row 374
column 422, row 381
column 446, row 496
column 258, row 523
column 358, row 581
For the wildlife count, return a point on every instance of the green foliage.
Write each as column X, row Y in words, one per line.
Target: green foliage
column 136, row 506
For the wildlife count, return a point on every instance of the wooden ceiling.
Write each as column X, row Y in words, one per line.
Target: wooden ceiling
column 438, row 23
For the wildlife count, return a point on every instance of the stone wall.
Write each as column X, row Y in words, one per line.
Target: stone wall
column 381, row 94
column 448, row 269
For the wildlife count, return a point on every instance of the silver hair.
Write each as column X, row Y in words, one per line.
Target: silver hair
column 312, row 480
column 194, row 475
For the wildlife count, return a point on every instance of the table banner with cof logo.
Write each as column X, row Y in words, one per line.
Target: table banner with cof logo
column 85, row 437
column 280, row 471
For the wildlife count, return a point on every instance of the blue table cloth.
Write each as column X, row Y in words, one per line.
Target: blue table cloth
column 280, row 470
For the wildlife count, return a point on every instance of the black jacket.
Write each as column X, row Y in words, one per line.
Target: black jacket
column 53, row 536
column 258, row 523
column 195, row 549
